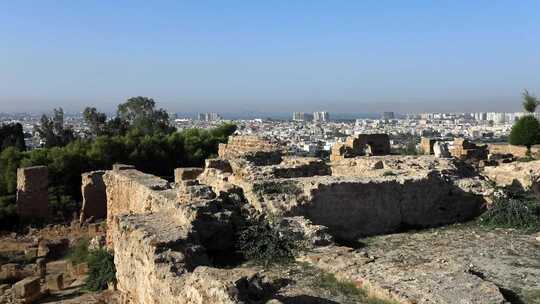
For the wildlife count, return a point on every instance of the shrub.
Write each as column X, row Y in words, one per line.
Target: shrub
column 101, row 270
column 514, row 212
column 261, row 241
column 525, row 132
column 79, row 253
column 8, row 213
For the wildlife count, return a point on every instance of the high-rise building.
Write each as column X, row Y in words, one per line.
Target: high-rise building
column 209, row 116
column 301, row 116
column 321, row 116
column 387, row 115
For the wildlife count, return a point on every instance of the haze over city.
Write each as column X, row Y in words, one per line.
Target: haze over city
column 238, row 56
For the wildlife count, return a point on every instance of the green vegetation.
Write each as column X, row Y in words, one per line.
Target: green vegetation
column 139, row 135
column 330, row 283
column 101, row 270
column 79, row 253
column 260, row 240
column 526, row 131
column 11, row 135
column 515, row 212
column 530, row 102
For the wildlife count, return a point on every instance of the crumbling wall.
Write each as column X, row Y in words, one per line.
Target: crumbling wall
column 131, row 191
column 426, row 145
column 360, row 145
column 94, row 196
column 253, row 148
column 519, row 176
column 156, row 262
column 352, row 208
column 32, row 193
column 517, row 151
column 182, row 174
column 464, row 149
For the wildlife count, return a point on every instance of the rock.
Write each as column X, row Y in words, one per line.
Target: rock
column 28, row 289
column 181, row 174
column 518, row 176
column 96, row 242
column 55, row 281
column 440, row 149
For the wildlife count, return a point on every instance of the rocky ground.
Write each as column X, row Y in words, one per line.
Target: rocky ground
column 465, row 262
column 20, row 256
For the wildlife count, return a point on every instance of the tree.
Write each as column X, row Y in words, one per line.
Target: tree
column 97, row 121
column 142, row 116
column 10, row 160
column 52, row 130
column 525, row 132
column 530, row 102
column 12, row 135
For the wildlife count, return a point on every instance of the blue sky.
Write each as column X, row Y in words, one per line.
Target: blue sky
column 270, row 56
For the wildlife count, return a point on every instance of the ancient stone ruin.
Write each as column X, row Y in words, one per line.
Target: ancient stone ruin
column 33, row 193
column 426, row 145
column 170, row 239
column 464, row 149
column 361, row 145
column 94, row 204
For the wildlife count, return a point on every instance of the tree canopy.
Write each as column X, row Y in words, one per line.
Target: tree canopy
column 12, row 135
column 530, row 102
column 525, row 132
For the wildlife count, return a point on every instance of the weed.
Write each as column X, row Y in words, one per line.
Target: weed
column 514, row 212
column 101, row 270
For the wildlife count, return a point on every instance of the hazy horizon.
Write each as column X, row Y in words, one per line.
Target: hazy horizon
column 238, row 57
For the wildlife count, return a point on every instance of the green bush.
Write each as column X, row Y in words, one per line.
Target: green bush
column 101, row 270
column 515, row 212
column 79, row 253
column 8, row 213
column 259, row 240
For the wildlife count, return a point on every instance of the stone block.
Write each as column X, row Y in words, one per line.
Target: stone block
column 182, row 174
column 27, row 289
column 426, row 145
column 55, row 281
column 32, row 193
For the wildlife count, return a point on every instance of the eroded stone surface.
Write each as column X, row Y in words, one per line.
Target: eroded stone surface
column 94, row 204
column 32, row 192
column 440, row 265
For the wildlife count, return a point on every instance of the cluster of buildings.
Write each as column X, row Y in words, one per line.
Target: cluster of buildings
column 315, row 134
column 315, row 116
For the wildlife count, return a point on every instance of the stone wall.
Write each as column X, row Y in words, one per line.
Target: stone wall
column 258, row 149
column 464, row 149
column 426, row 145
column 517, row 151
column 156, row 262
column 360, row 145
column 131, row 191
column 32, row 193
column 371, row 195
column 519, row 176
column 182, row 174
column 94, row 204
column 162, row 235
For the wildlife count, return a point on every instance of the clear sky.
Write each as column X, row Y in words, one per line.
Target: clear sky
column 270, row 56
